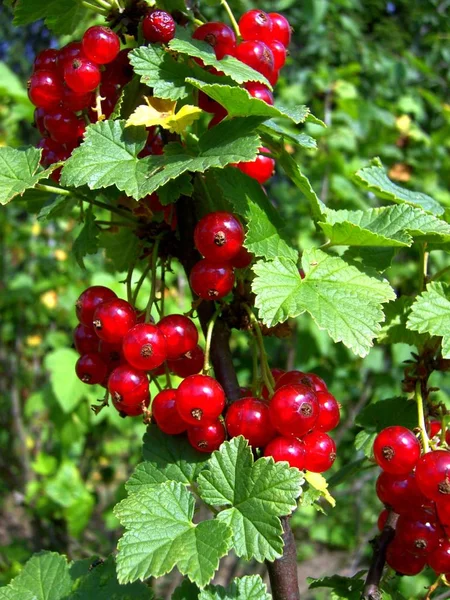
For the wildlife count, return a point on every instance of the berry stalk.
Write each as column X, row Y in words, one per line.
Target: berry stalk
column 421, row 417
column 232, row 18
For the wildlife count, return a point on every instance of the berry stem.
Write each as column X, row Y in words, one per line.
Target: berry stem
column 128, row 282
column 152, row 297
column 102, row 3
column 145, row 272
column 265, row 371
column 94, row 7
column 439, row 274
column 98, row 105
column 209, row 332
column 421, row 418
column 234, row 23
column 156, row 382
column 424, row 255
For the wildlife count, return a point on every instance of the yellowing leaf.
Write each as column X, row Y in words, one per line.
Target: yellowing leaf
column 184, row 117
column 162, row 112
column 318, row 481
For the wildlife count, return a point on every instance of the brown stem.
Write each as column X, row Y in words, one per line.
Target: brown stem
column 372, row 589
column 283, row 571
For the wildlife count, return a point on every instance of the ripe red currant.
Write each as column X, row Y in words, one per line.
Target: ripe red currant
column 208, row 104
column 433, row 428
column 255, row 25
column 329, row 414
column 219, row 236
column 281, row 30
column 158, row 27
column 250, row 417
column 396, row 450
column 211, row 281
column 82, row 75
column 208, row 437
column 200, row 399
column 45, row 89
column 144, row 347
column 287, row 448
column 219, row 36
column 100, row 44
column 293, row 378
column 403, row 562
column 398, row 492
column 111, row 353
column 258, row 56
column 439, row 559
column 91, row 369
column 75, row 102
column 260, row 169
column 260, row 91
column 181, row 335
column 420, row 536
column 129, row 390
column 433, row 475
column 294, row 410
column 382, row 518
column 320, row 451
column 243, row 259
column 279, row 54
column 119, row 71
column 85, row 339
column 89, row 300
column 46, row 60
column 318, row 384
column 218, row 117
column 62, row 125
column 67, row 54
column 276, row 374
column 113, row 319
column 189, row 364
column 165, row 413
column 39, row 115
column 443, row 511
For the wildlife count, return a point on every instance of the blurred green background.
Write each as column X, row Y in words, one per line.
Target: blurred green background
column 377, row 73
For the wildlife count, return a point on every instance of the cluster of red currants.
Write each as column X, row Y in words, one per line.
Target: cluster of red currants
column 416, row 486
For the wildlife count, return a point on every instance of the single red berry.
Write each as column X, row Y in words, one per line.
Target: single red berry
column 420, row 535
column 158, row 27
column 85, row 339
column 100, row 44
column 144, row 347
column 75, row 102
column 258, row 56
column 404, row 562
column 279, row 54
column 439, row 559
column 47, row 60
column 67, row 54
column 111, row 353
column 53, row 153
column 113, row 319
column 399, row 492
column 287, row 448
column 396, row 450
column 261, row 168
column 119, row 71
column 244, row 392
column 382, row 519
column 89, row 300
column 219, row 116
column 39, row 115
column 255, row 25
column 91, row 369
column 219, row 36
column 62, row 125
column 260, row 91
column 281, row 30
column 243, row 259
column 208, row 104
column 443, row 511
column 181, row 335
column 433, row 428
column 293, row 378
column 208, row 437
column 82, row 75
column 200, row 399
column 433, row 475
column 45, row 89
column 318, row 383
column 211, row 281
column 165, row 413
column 320, row 451
column 294, row 410
column 329, row 413
column 189, row 364
column 129, row 390
column 250, row 417
column 219, row 236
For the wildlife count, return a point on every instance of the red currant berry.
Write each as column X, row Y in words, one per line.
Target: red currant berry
column 243, row 259
column 158, row 27
column 91, row 369
column 46, row 60
column 289, row 449
column 62, row 126
column 208, row 437
column 111, row 354
column 211, row 281
column 82, row 75
column 420, row 536
column 443, row 511
column 259, row 91
column 100, row 44
column 439, row 559
column 119, row 71
column 145, row 347
column 399, row 492
column 165, row 413
column 218, row 117
column 113, row 319
column 294, row 410
column 260, row 169
column 85, row 339
column 129, row 390
column 250, row 417
column 45, row 89
column 329, row 414
column 318, row 384
column 67, row 54
column 382, row 519
column 255, row 25
column 208, row 104
column 219, row 36
column 433, row 428
column 293, row 378
column 189, row 364
column 181, row 335
column 244, row 392
column 200, row 399
column 279, row 54
column 39, row 115
column 53, row 153
column 403, row 562
column 320, row 452
column 258, row 56
column 75, row 102
column 281, row 30
column 396, row 450
column 219, row 236
column 433, row 475
column 89, row 300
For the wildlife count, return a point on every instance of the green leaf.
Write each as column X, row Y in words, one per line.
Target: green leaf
column 274, row 130
column 170, row 192
column 12, row 86
column 340, row 298
column 60, row 205
column 44, row 577
column 87, row 240
column 186, row 591
column 245, row 588
column 394, row 330
column 66, row 386
column 160, row 535
column 344, row 588
column 374, row 179
column 248, row 490
column 167, row 458
column 364, row 441
column 61, row 16
column 391, row 411
column 430, row 313
column 370, row 257
column 265, row 235
column 19, row 171
column 122, row 247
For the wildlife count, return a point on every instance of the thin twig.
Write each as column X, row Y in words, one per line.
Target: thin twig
column 372, row 589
